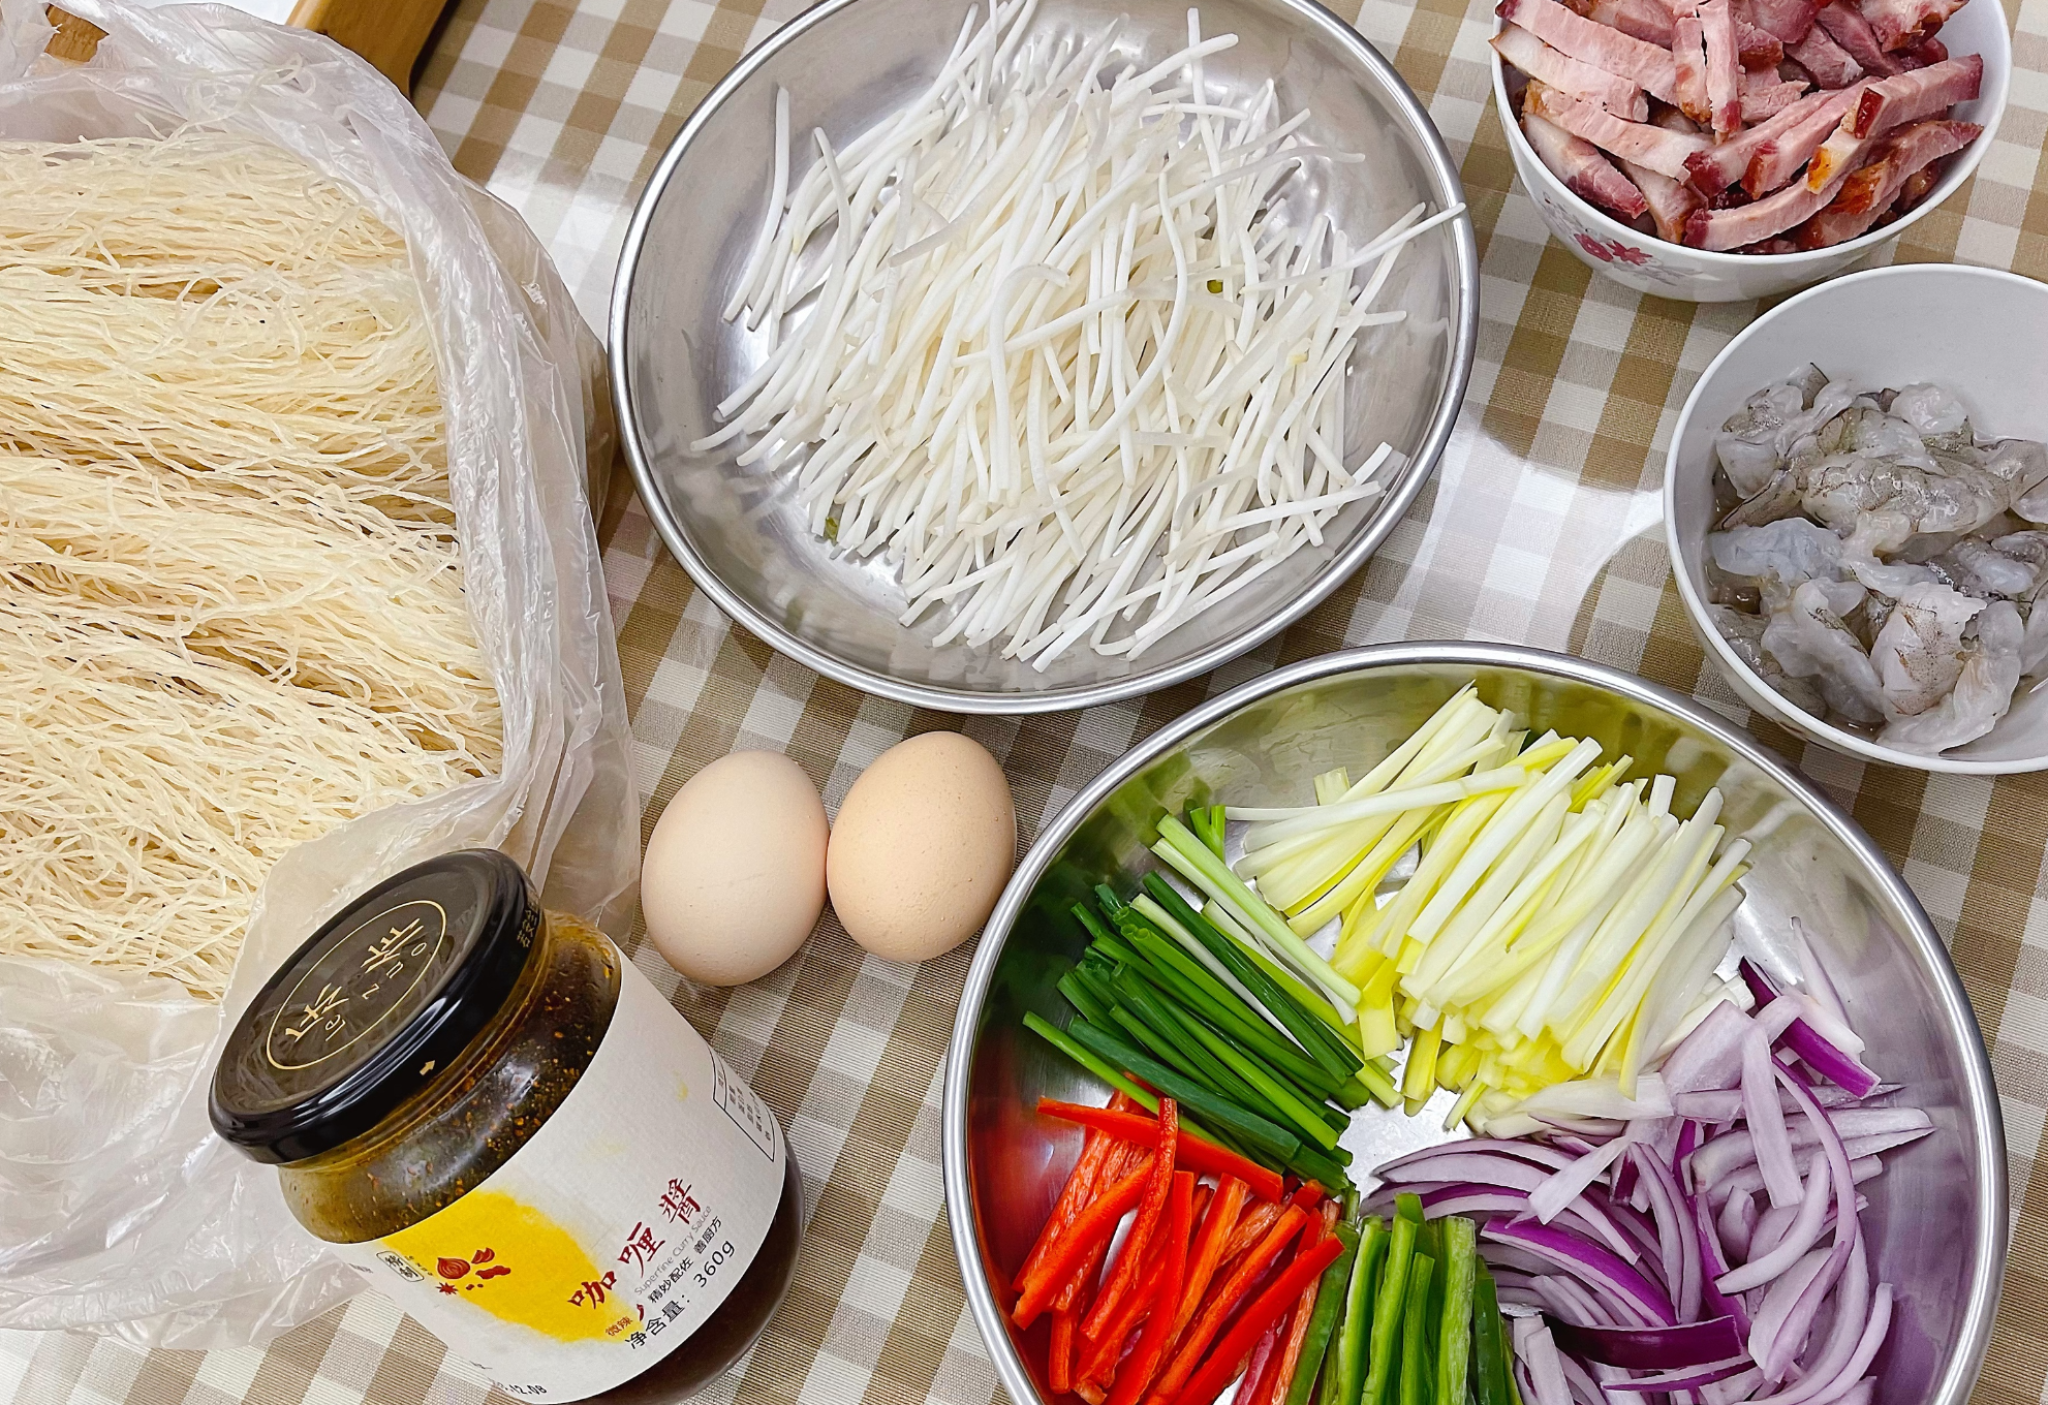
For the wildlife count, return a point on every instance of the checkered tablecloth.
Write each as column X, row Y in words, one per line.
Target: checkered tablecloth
column 1541, row 527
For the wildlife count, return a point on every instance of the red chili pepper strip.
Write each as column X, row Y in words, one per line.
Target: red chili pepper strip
column 1193, row 1153
column 1073, row 1199
column 1143, row 1363
column 1206, row 1384
column 1224, row 1209
column 1077, row 1294
column 1090, row 1230
column 1307, row 1194
column 1256, row 1224
column 1265, row 1354
column 1282, row 1375
column 1059, row 1354
column 1224, row 1301
column 1100, row 1363
column 1125, row 1274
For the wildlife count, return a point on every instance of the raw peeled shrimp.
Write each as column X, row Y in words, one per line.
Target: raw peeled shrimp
column 1989, row 670
column 1810, row 640
column 1918, row 653
column 1879, row 569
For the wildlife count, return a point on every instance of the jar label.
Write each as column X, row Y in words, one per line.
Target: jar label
column 614, row 1232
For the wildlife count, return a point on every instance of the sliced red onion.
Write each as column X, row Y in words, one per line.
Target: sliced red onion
column 1835, row 1065
column 1866, row 1348
column 1733, row 1389
column 1641, row 1234
column 1767, row 1130
column 1564, row 1186
column 1625, row 1178
column 1737, row 1222
column 1585, row 1389
column 1514, row 1260
column 1520, row 1150
column 1714, row 1162
column 1713, row 1263
column 1770, row 1229
column 1863, row 1163
column 1590, row 1263
column 1852, row 1312
column 1709, row 1104
column 1778, row 1016
column 1677, row 1248
column 1822, row 1021
column 1467, row 1198
column 1654, row 1348
column 1725, row 1104
column 1685, row 1377
column 1475, row 1168
column 1709, row 1057
column 1779, row 1299
column 1536, row 1350
column 1815, row 978
column 1567, row 1300
column 1781, row 1348
column 1859, row 1393
column 1761, row 1267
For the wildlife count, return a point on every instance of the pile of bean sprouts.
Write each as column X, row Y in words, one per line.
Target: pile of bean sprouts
column 1048, row 340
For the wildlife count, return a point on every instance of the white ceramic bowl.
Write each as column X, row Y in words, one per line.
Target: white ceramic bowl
column 1650, row 265
column 1980, row 332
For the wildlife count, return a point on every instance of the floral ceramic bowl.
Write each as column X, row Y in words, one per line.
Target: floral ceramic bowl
column 1651, row 265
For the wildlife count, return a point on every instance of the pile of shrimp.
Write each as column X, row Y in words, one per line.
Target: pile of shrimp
column 1878, row 563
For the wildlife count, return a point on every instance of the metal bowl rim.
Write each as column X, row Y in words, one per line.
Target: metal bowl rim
column 1334, row 573
column 1695, row 609
column 1980, row 1096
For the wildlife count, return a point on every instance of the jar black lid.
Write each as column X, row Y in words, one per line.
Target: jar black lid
column 392, row 988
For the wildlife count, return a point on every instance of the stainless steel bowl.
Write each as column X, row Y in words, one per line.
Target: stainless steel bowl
column 1937, row 1223
column 848, row 63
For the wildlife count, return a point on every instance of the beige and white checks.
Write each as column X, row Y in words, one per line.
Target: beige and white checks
column 1541, row 527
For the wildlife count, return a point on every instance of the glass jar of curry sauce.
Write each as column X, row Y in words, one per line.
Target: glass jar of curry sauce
column 503, row 1126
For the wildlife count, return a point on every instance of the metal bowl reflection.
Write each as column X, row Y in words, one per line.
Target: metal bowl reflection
column 1937, row 1223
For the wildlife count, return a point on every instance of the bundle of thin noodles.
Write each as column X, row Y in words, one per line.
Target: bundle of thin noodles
column 231, row 605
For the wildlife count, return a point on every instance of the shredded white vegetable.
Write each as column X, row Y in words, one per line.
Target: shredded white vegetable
column 1048, row 341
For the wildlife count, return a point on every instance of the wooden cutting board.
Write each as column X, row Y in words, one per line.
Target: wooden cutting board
column 389, row 33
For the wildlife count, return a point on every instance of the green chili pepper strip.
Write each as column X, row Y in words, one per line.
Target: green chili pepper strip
column 1358, row 1311
column 1454, row 1336
column 1415, row 1362
column 1323, row 1321
column 1489, row 1341
column 1386, row 1311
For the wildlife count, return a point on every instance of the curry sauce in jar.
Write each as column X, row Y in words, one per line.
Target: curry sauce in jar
column 503, row 1126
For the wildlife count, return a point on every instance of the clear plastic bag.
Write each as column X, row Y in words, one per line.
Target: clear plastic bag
column 120, row 1211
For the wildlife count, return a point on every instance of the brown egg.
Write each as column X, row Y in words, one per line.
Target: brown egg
column 734, row 876
column 922, row 847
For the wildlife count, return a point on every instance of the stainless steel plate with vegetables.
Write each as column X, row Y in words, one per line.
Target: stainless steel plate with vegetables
column 1508, row 926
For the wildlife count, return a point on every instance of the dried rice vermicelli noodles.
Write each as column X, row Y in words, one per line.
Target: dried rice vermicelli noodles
column 231, row 609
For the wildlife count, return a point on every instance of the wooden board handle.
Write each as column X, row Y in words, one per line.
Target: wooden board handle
column 389, row 33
